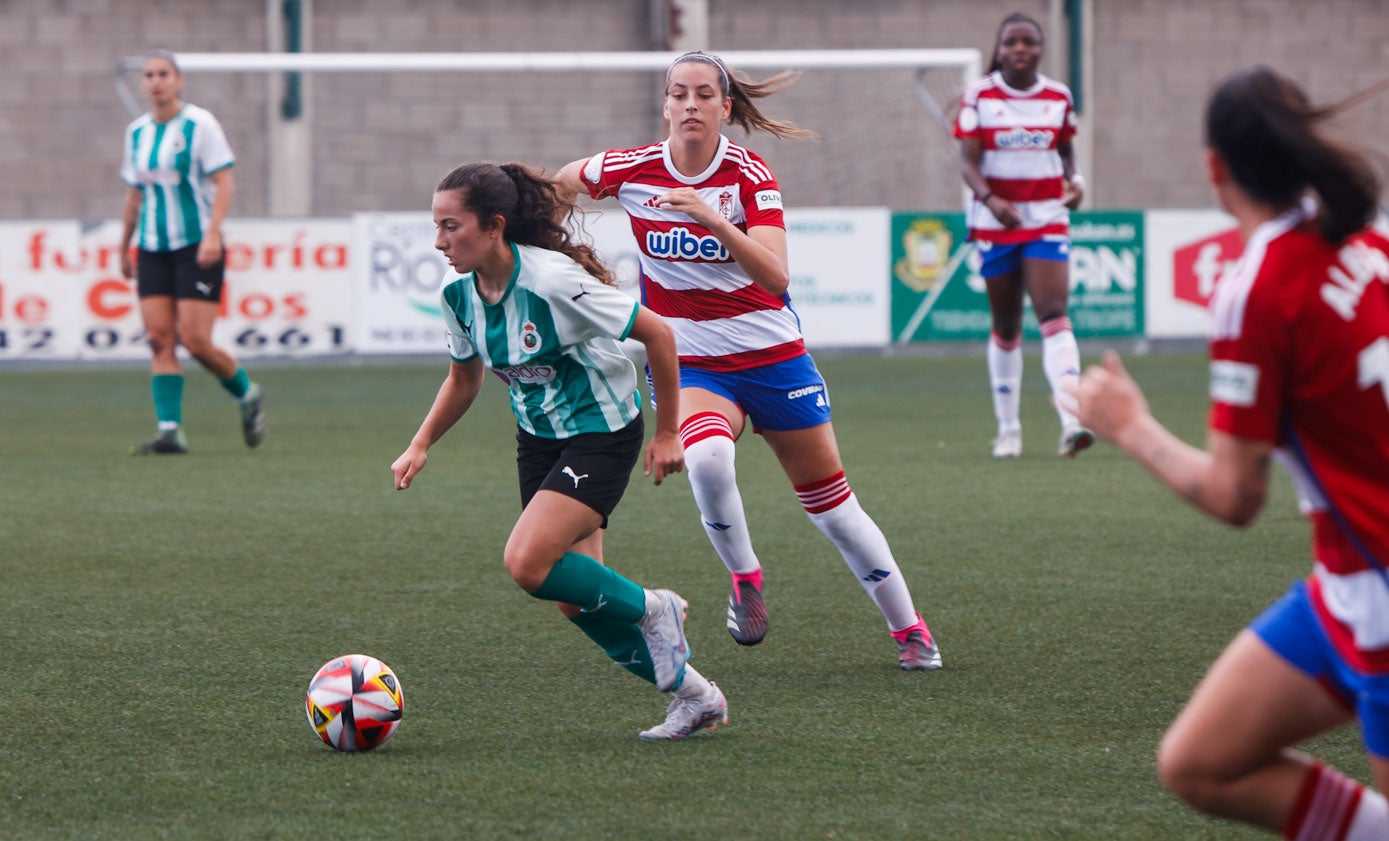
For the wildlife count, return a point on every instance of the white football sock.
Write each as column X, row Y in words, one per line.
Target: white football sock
column 835, row 511
column 1061, row 361
column 1005, row 379
column 709, row 459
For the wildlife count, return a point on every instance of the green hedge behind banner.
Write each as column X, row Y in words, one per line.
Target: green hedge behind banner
column 938, row 295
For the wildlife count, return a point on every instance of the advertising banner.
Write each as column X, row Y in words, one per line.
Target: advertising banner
column 838, row 276
column 62, row 295
column 1188, row 252
column 938, row 294
column 396, row 273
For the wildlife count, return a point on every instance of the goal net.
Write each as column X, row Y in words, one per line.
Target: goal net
column 383, row 124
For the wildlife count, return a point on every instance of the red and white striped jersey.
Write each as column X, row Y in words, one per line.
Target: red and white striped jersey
column 722, row 319
column 1300, row 359
column 1020, row 131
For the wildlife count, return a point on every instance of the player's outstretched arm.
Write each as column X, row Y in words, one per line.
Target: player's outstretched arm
column 456, row 394
column 569, row 179
column 1228, row 480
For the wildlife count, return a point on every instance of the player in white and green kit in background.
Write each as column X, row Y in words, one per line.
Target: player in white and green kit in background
column 177, row 164
column 541, row 311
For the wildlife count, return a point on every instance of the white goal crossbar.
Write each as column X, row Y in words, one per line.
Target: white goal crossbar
column 967, row 60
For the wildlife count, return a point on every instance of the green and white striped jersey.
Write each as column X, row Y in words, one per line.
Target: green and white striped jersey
column 173, row 164
column 553, row 338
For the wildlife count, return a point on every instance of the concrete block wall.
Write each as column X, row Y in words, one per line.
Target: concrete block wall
column 382, row 140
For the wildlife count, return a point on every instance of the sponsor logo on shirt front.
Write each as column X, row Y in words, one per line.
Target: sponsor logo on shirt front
column 1234, row 383
column 1021, row 138
column 680, row 244
column 530, row 374
column 160, row 177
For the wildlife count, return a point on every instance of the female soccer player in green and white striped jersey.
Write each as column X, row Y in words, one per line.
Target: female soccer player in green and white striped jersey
column 177, row 163
column 541, row 311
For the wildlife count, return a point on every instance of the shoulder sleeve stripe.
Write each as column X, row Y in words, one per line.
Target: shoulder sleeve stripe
column 615, row 161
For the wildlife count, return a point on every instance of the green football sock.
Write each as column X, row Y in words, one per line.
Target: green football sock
column 238, row 384
column 580, row 580
column 623, row 642
column 168, row 398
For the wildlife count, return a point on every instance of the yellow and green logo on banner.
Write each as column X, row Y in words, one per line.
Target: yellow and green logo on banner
column 938, row 294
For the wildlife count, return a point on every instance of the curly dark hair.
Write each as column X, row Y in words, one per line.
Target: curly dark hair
column 534, row 211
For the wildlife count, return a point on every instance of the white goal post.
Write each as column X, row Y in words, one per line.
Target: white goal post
column 859, row 101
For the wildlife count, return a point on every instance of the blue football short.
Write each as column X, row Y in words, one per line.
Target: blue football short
column 1290, row 627
column 1002, row 258
column 780, row 397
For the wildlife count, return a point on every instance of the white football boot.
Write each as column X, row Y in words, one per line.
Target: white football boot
column 687, row 717
column 663, row 629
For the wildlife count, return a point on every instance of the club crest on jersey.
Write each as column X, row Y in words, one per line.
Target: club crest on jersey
column 726, row 204
column 530, row 337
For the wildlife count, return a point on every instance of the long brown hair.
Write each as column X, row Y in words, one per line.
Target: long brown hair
column 1266, row 131
column 533, row 208
column 742, row 91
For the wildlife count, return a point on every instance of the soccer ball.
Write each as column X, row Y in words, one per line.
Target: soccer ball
column 355, row 702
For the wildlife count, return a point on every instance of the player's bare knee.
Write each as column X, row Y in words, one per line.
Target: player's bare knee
column 524, row 569
column 1187, row 776
column 161, row 342
column 201, row 348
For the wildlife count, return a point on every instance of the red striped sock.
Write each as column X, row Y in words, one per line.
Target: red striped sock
column 819, row 497
column 1325, row 806
column 703, row 425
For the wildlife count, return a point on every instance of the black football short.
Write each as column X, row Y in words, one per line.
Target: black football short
column 177, row 273
column 593, row 468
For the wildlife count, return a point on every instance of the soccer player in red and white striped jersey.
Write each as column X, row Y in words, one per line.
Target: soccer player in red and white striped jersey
column 707, row 216
column 1299, row 371
column 1016, row 126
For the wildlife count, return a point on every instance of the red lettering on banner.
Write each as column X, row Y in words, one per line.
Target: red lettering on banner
column 31, row 309
column 256, row 306
column 239, row 257
column 101, row 257
column 99, row 298
column 36, row 250
column 1198, row 266
column 286, row 255
column 295, row 304
column 333, row 256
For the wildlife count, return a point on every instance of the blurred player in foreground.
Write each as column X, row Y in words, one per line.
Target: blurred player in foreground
column 177, row 164
column 1016, row 128
column 1299, row 352
column 544, row 314
column 707, row 217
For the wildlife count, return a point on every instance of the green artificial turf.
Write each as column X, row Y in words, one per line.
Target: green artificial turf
column 160, row 618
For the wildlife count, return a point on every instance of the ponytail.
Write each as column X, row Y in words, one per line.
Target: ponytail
column 744, row 113
column 534, row 210
column 1266, row 132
